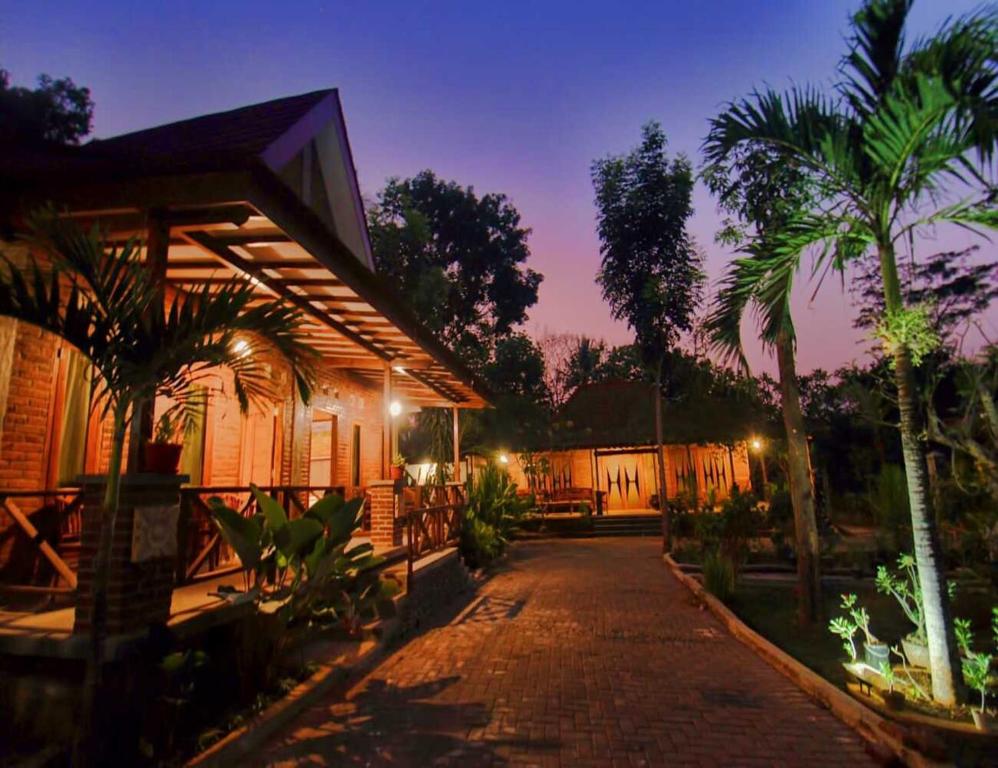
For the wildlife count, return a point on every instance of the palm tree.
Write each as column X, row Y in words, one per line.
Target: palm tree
column 104, row 301
column 764, row 189
column 903, row 120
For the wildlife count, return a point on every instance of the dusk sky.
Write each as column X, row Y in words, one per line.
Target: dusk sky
column 512, row 97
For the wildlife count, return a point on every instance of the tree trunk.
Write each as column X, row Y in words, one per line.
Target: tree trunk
column 801, row 488
column 87, row 749
column 660, row 464
column 947, row 682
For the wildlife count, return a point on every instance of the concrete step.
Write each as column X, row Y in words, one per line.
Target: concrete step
column 627, row 525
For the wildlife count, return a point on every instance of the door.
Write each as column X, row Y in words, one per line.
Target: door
column 628, row 480
column 322, row 452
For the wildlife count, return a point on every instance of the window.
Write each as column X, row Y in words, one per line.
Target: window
column 73, row 418
column 322, row 450
column 355, row 457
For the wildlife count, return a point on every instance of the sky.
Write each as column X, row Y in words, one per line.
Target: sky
column 512, row 97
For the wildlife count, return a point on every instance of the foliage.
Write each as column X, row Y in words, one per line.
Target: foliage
column 904, row 121
column 719, row 574
column 457, row 257
column 969, row 425
column 889, row 501
column 398, row 460
column 730, row 529
column 101, row 299
column 651, row 271
column 908, row 328
column 304, row 570
column 905, row 586
column 855, row 619
column 57, row 111
column 976, row 665
column 954, row 288
column 492, row 510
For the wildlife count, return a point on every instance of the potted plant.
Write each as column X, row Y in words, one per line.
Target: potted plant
column 161, row 455
column 976, row 667
column 397, row 469
column 875, row 653
column 893, row 699
column 906, row 588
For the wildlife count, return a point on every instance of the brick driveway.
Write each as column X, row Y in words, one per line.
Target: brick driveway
column 577, row 653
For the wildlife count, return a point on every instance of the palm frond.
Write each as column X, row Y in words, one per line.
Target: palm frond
column 876, row 48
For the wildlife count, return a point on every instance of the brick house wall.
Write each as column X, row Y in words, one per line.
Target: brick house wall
column 26, row 428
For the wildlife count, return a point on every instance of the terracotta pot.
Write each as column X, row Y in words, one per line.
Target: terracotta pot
column 916, row 652
column 161, row 458
column 396, row 473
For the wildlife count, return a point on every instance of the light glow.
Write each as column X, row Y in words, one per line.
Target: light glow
column 241, row 347
column 756, row 444
column 395, row 408
column 503, row 458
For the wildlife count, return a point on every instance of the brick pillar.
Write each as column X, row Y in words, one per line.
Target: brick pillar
column 385, row 530
column 143, row 551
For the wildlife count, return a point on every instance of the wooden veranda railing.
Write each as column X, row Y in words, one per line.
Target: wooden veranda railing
column 39, row 540
column 201, row 551
column 432, row 519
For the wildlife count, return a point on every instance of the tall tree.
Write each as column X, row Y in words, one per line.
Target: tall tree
column 651, row 271
column 763, row 190
column 57, row 111
column 459, row 259
column 903, row 121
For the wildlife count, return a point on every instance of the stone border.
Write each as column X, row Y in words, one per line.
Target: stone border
column 882, row 734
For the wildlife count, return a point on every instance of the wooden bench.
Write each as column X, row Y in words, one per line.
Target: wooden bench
column 567, row 500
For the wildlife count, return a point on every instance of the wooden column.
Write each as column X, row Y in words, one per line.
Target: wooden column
column 157, row 251
column 457, row 443
column 386, row 430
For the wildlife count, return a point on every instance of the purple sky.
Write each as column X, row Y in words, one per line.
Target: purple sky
column 513, row 97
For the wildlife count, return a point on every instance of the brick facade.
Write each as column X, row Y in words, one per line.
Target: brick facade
column 385, row 530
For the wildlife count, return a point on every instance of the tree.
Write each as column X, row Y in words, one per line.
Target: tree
column 949, row 284
column 56, row 111
column 903, row 121
column 103, row 301
column 459, row 259
column 651, row 272
column 763, row 189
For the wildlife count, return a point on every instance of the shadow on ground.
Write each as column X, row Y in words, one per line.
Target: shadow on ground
column 390, row 725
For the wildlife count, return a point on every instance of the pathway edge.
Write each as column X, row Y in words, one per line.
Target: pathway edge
column 878, row 731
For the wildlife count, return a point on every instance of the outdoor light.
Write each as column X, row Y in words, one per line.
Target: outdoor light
column 241, row 347
column 756, row 444
column 398, row 369
column 395, row 408
column 503, row 458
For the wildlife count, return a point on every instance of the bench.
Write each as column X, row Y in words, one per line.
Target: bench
column 567, row 500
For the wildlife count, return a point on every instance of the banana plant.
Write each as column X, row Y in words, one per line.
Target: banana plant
column 304, row 569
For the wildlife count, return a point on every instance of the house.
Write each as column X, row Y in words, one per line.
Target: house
column 267, row 193
column 603, row 441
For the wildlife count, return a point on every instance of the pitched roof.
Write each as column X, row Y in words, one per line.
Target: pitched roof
column 209, row 141
column 621, row 413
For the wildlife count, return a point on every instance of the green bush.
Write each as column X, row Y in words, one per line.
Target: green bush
column 493, row 509
column 719, row 575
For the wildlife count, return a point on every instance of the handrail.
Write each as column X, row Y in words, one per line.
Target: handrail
column 430, row 529
column 65, row 503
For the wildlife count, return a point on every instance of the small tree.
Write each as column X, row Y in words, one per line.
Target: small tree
column 651, row 271
column 103, row 301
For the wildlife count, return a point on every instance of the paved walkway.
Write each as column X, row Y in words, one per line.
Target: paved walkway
column 577, row 653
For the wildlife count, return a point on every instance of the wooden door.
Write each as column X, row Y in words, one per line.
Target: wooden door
column 628, row 480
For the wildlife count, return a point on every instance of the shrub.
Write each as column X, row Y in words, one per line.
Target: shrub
column 493, row 509
column 719, row 575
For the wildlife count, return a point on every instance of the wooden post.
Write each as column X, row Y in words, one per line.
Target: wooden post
column 157, row 252
column 457, row 443
column 386, row 431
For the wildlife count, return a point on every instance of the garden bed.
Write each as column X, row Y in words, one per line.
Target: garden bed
column 768, row 605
